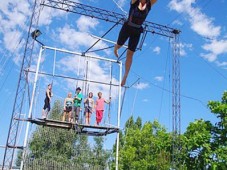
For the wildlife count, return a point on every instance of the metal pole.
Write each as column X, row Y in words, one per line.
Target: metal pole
column 119, row 116
column 110, row 92
column 30, row 109
column 54, row 67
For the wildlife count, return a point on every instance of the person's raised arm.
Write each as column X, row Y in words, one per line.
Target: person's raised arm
column 153, row 2
column 133, row 1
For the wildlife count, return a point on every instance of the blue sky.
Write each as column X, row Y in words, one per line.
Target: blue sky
column 203, row 43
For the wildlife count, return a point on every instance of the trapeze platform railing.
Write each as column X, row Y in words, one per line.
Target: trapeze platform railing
column 79, row 128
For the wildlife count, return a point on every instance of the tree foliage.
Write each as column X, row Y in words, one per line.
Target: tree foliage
column 148, row 146
column 144, row 146
column 205, row 144
column 54, row 148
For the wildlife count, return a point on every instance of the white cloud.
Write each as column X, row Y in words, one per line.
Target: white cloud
column 214, row 48
column 203, row 26
column 11, row 42
column 210, row 57
column 84, row 23
column 141, row 86
column 200, row 23
column 48, row 14
column 221, row 64
column 74, row 39
column 14, row 18
column 157, row 50
column 182, row 47
column 177, row 22
column 145, row 100
column 159, row 78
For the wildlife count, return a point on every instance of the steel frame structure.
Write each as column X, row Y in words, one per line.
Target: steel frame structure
column 176, row 103
column 22, row 88
column 81, row 9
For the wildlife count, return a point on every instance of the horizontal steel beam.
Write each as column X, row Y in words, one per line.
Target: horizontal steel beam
column 109, row 16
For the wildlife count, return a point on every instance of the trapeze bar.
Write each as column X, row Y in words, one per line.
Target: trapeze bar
column 72, row 78
column 15, row 147
column 107, row 40
column 80, row 54
column 80, row 129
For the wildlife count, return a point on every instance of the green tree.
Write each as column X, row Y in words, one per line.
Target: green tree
column 102, row 156
column 198, row 151
column 219, row 132
column 53, row 143
column 144, row 146
column 205, row 144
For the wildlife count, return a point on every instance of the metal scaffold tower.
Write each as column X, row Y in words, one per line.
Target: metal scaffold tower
column 108, row 16
column 22, row 90
column 176, row 103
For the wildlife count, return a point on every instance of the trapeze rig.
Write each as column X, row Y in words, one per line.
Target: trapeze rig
column 78, row 128
column 23, row 88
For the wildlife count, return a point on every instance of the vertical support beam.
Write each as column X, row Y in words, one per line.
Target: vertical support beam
column 176, row 103
column 118, row 116
column 111, row 76
column 30, row 109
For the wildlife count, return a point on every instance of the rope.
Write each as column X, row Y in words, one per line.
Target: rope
column 125, row 13
column 122, row 102
column 53, row 68
column 166, row 64
column 134, row 101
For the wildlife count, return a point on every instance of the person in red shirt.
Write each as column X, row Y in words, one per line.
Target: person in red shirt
column 99, row 106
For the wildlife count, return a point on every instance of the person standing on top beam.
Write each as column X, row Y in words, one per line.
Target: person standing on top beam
column 132, row 30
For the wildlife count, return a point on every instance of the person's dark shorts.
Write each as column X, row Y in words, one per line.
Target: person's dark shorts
column 88, row 109
column 131, row 33
column 68, row 109
column 46, row 104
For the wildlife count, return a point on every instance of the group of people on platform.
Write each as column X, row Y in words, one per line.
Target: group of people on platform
column 73, row 106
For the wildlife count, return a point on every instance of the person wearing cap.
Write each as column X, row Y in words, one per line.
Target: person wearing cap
column 132, row 30
column 77, row 103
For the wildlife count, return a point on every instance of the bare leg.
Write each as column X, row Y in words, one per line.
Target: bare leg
column 89, row 117
column 43, row 114
column 128, row 64
column 116, row 47
column 86, row 118
column 63, row 117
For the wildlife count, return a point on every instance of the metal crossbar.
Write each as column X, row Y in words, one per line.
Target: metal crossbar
column 109, row 16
